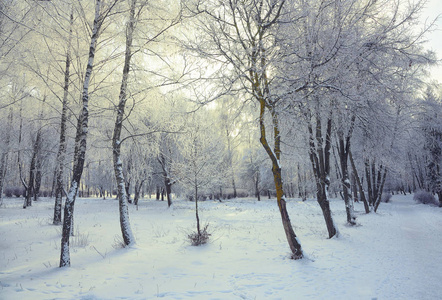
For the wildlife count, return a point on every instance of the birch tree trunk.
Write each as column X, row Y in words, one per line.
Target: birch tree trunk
column 344, row 149
column 81, row 143
column 126, row 230
column 61, row 154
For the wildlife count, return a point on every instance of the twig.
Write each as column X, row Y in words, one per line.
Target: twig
column 98, row 252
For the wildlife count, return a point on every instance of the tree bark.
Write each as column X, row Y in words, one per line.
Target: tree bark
column 344, row 149
column 274, row 155
column 38, row 176
column 138, row 188
column 81, row 143
column 369, row 185
column 33, row 170
column 257, row 189
column 320, row 159
column 359, row 183
column 5, row 155
column 126, row 230
column 167, row 182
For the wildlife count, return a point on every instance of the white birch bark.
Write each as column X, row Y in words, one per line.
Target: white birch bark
column 126, row 230
column 80, row 148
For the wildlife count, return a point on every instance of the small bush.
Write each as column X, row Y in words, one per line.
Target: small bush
column 9, row 192
column 79, row 240
column 386, row 197
column 199, row 239
column 425, row 197
column 18, row 192
column 118, row 242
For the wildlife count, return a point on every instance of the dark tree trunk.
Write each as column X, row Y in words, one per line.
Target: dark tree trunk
column 127, row 189
column 166, row 176
column 320, row 159
column 138, row 189
column 274, row 156
column 344, row 149
column 380, row 188
column 19, row 163
column 359, row 183
column 257, row 189
column 80, row 146
column 37, row 183
column 5, row 155
column 33, row 170
column 354, row 187
column 368, row 179
column 376, row 176
column 302, row 184
column 198, row 228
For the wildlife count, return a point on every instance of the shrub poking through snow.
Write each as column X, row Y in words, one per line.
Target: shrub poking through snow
column 200, row 238
column 425, row 197
column 18, row 192
column 9, row 192
column 386, row 197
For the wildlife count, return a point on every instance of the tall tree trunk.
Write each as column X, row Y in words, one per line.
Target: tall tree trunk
column 230, row 161
column 5, row 155
column 61, row 154
column 368, row 179
column 33, row 170
column 138, row 189
column 354, row 187
column 126, row 230
column 19, row 162
column 38, row 177
column 157, row 192
column 320, row 159
column 81, row 143
column 274, row 155
column 344, row 149
column 359, row 183
column 167, row 182
column 198, row 227
column 382, row 177
column 257, row 189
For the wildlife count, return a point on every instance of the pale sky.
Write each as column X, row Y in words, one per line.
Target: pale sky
column 434, row 9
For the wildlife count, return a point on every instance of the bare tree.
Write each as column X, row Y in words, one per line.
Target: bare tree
column 241, row 34
column 61, row 154
column 5, row 154
column 82, row 133
column 126, row 230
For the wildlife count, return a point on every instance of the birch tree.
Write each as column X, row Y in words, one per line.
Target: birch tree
column 60, row 160
column 126, row 230
column 82, row 132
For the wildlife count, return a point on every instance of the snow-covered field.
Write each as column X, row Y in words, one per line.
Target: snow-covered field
column 394, row 254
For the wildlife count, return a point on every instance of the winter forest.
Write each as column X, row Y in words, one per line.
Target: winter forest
column 132, row 131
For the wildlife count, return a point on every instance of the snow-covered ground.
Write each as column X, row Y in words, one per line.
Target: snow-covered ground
column 394, row 254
